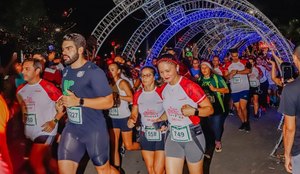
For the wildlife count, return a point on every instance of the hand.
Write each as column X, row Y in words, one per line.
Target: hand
column 271, row 61
column 14, row 56
column 49, row 126
column 70, row 100
column 212, row 88
column 59, row 106
column 187, row 110
column 131, row 123
column 163, row 127
column 288, row 163
column 232, row 73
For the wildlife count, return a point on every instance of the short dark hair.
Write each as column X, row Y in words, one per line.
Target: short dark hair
column 78, row 39
column 233, row 50
column 149, row 67
column 36, row 64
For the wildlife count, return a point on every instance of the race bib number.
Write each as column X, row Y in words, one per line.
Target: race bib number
column 236, row 80
column 152, row 134
column 181, row 134
column 211, row 98
column 75, row 115
column 31, row 119
column 114, row 111
column 253, row 84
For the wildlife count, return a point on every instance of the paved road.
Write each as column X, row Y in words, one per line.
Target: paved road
column 243, row 153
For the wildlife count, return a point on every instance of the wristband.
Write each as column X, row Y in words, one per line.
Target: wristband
column 81, row 102
column 55, row 120
column 196, row 112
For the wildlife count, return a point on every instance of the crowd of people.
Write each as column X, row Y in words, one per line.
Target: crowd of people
column 173, row 109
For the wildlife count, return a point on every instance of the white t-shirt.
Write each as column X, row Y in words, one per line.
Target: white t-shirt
column 150, row 105
column 254, row 77
column 239, row 82
column 264, row 72
column 38, row 101
column 123, row 110
column 175, row 96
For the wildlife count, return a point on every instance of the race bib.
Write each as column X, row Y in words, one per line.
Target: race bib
column 181, row 134
column 75, row 115
column 253, row 84
column 211, row 98
column 31, row 119
column 152, row 134
column 114, row 111
column 236, row 80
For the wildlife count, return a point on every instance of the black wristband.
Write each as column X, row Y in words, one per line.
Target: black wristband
column 81, row 102
column 196, row 112
column 55, row 120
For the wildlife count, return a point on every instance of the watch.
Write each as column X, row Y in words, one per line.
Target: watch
column 81, row 102
column 55, row 120
column 196, row 112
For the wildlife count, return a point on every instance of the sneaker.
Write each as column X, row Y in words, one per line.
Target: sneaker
column 259, row 112
column 242, row 127
column 247, row 127
column 231, row 112
column 122, row 151
column 218, row 147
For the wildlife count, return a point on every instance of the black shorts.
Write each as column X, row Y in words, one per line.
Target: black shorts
column 152, row 145
column 74, row 143
column 121, row 123
column 44, row 139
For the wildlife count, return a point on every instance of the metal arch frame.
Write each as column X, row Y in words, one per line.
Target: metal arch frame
column 245, row 45
column 100, row 32
column 197, row 28
column 217, row 42
column 197, row 16
column 183, row 4
column 234, row 43
column 202, row 42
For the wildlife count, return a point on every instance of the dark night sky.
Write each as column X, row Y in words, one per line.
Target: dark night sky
column 90, row 12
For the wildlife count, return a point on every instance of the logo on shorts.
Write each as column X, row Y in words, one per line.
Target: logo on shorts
column 80, row 73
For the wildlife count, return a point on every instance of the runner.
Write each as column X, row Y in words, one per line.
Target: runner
column 119, row 115
column 255, row 91
column 214, row 87
column 184, row 102
column 86, row 94
column 149, row 104
column 41, row 112
column 236, row 73
column 5, row 161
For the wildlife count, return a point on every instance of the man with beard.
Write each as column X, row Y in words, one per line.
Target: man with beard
column 86, row 93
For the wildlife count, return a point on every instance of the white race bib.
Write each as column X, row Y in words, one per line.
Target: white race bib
column 236, row 80
column 253, row 84
column 181, row 133
column 152, row 134
column 211, row 98
column 75, row 115
column 30, row 119
column 114, row 111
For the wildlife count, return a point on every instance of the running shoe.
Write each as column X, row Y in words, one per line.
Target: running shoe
column 122, row 151
column 242, row 127
column 218, row 147
column 247, row 127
